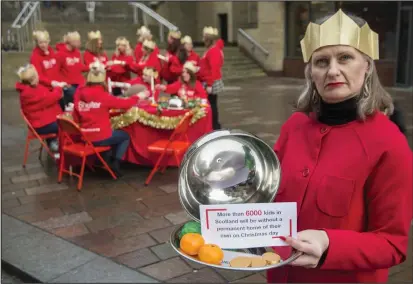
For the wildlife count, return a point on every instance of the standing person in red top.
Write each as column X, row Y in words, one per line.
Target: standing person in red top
column 187, row 87
column 211, row 71
column 344, row 162
column 91, row 111
column 118, row 68
column 175, row 58
column 191, row 54
column 94, row 49
column 45, row 61
column 143, row 33
column 71, row 65
column 149, row 58
column 39, row 104
column 146, row 80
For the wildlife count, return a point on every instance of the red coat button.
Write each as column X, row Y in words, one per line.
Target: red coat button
column 306, row 171
column 323, row 130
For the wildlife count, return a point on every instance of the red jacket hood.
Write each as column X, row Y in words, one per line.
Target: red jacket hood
column 61, row 46
column 22, row 87
column 220, row 44
column 90, row 93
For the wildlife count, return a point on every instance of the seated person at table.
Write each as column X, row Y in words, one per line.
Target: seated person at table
column 39, row 104
column 145, row 80
column 91, row 111
column 187, row 87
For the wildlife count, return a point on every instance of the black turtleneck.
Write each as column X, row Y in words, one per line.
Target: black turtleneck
column 338, row 113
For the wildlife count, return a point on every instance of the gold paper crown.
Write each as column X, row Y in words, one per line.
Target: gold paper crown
column 27, row 72
column 175, row 34
column 340, row 29
column 71, row 35
column 191, row 67
column 143, row 31
column 94, row 35
column 97, row 73
column 149, row 44
column 122, row 40
column 186, row 39
column 151, row 72
column 210, row 31
column 41, row 35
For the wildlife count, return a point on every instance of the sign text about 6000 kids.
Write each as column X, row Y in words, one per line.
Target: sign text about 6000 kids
column 248, row 225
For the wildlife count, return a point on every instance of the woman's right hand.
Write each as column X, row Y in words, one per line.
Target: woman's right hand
column 160, row 87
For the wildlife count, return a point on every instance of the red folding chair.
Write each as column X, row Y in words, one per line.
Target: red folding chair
column 175, row 146
column 82, row 149
column 33, row 135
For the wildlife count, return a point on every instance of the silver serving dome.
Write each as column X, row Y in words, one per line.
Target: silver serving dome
column 227, row 167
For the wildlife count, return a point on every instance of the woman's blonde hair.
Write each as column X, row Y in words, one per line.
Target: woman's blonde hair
column 27, row 74
column 372, row 97
column 125, row 41
column 93, row 43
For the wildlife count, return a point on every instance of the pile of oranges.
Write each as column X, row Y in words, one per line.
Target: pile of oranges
column 193, row 244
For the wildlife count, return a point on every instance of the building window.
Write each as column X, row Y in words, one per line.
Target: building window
column 375, row 13
column 252, row 13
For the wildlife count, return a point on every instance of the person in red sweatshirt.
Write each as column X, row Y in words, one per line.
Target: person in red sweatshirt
column 191, row 54
column 91, row 110
column 175, row 58
column 211, row 71
column 71, row 65
column 149, row 58
column 143, row 33
column 344, row 163
column 94, row 49
column 118, row 68
column 44, row 59
column 187, row 87
column 148, row 79
column 39, row 103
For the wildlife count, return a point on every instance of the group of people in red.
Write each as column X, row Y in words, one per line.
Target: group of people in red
column 54, row 81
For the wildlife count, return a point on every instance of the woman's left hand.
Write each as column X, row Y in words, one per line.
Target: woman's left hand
column 312, row 243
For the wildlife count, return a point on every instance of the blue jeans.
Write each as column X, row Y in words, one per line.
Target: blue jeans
column 68, row 94
column 119, row 142
column 48, row 129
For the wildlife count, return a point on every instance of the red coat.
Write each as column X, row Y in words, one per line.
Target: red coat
column 191, row 92
column 47, row 66
column 71, row 65
column 152, row 61
column 211, row 64
column 89, row 57
column 39, row 104
column 193, row 56
column 91, row 110
column 354, row 181
column 139, row 53
column 172, row 69
column 120, row 73
column 140, row 81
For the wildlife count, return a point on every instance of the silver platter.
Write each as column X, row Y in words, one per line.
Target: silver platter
column 286, row 257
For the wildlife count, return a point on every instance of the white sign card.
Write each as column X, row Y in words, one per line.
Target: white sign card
column 251, row 225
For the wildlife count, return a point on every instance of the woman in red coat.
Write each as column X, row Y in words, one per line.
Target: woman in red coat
column 71, row 65
column 344, row 162
column 91, row 110
column 188, row 46
column 118, row 68
column 210, row 73
column 187, row 87
column 39, row 104
column 149, row 58
column 143, row 33
column 175, row 58
column 146, row 80
column 44, row 59
column 94, row 49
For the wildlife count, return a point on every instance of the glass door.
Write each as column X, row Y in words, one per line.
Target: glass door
column 404, row 70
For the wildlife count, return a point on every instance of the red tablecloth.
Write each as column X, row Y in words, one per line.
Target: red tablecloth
column 142, row 136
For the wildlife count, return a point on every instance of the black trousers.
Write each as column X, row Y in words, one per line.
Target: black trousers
column 213, row 101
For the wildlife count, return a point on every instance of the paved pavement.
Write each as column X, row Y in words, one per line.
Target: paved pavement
column 125, row 221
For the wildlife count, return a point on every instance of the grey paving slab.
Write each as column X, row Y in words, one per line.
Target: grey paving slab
column 11, row 228
column 103, row 270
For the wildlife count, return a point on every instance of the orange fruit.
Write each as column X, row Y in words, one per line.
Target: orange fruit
column 191, row 243
column 211, row 254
